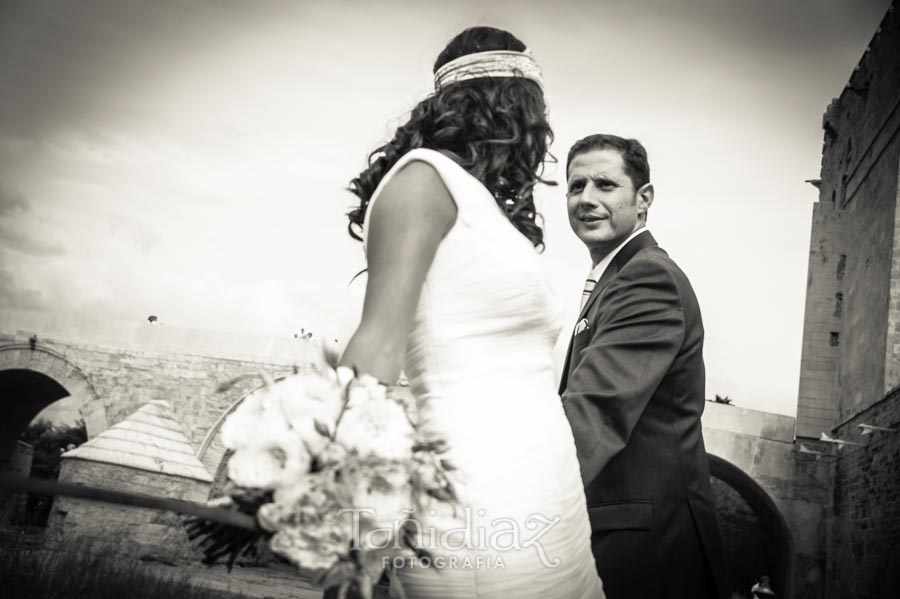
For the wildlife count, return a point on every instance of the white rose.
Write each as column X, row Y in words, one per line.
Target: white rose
column 276, row 461
column 377, row 427
column 304, row 399
column 256, row 418
column 237, row 430
column 364, row 388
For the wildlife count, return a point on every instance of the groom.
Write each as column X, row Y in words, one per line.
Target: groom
column 633, row 389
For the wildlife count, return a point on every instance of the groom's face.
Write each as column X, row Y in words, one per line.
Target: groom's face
column 602, row 202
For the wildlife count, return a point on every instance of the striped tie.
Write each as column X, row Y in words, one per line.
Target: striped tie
column 589, row 285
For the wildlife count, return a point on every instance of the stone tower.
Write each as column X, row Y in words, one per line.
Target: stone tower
column 850, row 367
column 851, row 336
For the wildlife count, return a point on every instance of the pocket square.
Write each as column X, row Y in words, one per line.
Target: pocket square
column 581, row 326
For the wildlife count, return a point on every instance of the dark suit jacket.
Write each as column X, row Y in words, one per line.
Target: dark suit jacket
column 633, row 389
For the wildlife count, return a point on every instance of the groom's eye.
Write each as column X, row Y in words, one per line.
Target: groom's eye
column 576, row 186
column 605, row 184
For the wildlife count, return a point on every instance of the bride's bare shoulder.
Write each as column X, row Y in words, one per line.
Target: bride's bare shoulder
column 416, row 194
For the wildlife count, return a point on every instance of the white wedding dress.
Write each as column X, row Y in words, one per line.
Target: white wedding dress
column 480, row 365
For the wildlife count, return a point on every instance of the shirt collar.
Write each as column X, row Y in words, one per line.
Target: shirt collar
column 600, row 267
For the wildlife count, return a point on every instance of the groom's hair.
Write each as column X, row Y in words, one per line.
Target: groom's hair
column 633, row 155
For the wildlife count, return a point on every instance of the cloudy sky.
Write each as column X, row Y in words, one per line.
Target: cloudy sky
column 190, row 159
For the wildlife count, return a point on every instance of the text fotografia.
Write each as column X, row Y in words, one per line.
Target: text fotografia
column 492, row 538
column 440, row 562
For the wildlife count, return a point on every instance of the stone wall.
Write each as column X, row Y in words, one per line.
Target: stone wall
column 156, row 537
column 825, row 293
column 863, row 343
column 148, row 534
column 126, row 380
column 864, row 508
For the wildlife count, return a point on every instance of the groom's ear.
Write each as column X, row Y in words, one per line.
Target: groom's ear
column 644, row 198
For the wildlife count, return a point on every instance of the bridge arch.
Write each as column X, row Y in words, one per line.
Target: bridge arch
column 33, row 377
column 772, row 523
column 212, row 453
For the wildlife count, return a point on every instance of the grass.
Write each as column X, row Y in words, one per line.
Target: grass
column 30, row 573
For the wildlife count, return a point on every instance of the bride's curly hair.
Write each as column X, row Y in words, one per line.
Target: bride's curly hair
column 495, row 128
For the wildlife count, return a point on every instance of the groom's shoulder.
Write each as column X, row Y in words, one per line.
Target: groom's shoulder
column 660, row 256
column 654, row 262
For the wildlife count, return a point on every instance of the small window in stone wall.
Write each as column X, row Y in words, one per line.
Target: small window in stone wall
column 838, row 305
column 841, row 267
column 834, row 340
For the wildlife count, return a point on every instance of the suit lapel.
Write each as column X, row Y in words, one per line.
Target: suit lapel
column 631, row 248
column 639, row 242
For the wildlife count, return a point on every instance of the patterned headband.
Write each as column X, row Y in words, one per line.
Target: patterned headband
column 498, row 63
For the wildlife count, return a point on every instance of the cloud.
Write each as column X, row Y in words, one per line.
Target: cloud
column 11, row 201
column 33, row 244
column 16, row 296
column 19, row 226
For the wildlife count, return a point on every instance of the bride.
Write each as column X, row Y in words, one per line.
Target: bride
column 456, row 298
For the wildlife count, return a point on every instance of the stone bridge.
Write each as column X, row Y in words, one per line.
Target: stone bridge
column 112, row 369
column 763, row 483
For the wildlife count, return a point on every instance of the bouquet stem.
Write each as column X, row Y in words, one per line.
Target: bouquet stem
column 13, row 483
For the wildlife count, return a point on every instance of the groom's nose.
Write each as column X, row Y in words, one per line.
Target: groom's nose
column 589, row 195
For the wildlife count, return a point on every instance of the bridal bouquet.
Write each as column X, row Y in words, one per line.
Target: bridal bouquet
column 333, row 468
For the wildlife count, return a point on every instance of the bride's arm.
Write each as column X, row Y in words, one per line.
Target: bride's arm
column 412, row 215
